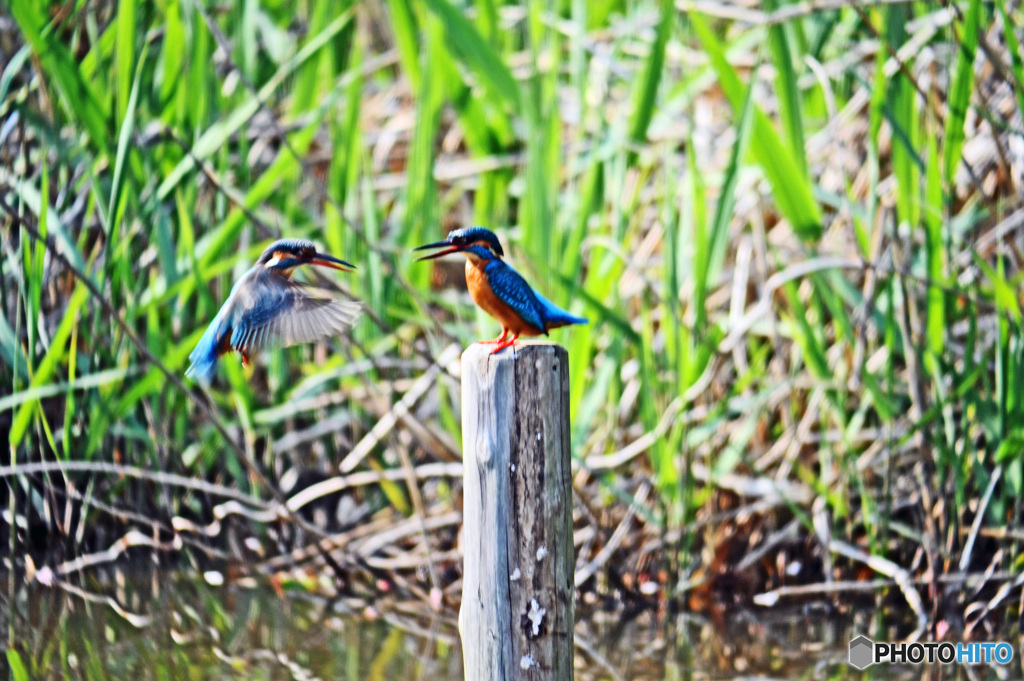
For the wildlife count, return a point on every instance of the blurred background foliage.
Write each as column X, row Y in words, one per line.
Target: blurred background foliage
column 795, row 229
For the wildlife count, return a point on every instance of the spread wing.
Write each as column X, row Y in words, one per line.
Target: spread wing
column 511, row 289
column 274, row 310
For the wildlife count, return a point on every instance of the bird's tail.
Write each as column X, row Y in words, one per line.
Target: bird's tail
column 204, row 357
column 202, row 369
column 555, row 316
column 565, row 319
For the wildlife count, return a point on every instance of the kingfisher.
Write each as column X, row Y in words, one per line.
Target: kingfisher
column 267, row 307
column 500, row 290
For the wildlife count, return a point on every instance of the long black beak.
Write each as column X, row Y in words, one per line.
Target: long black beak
column 437, row 244
column 324, row 260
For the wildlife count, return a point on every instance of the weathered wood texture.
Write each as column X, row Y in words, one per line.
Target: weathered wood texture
column 517, row 595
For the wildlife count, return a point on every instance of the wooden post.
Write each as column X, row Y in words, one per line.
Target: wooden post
column 517, row 592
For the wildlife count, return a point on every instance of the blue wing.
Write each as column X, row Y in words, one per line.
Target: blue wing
column 274, row 310
column 511, row 289
column 264, row 309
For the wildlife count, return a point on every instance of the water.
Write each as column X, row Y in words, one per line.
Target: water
column 183, row 627
column 178, row 626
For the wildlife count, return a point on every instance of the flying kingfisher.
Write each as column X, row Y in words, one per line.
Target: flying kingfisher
column 500, row 290
column 266, row 307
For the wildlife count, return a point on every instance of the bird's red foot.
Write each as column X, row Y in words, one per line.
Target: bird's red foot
column 499, row 339
column 245, row 360
column 504, row 344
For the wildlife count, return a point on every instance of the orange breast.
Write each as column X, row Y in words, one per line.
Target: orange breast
column 483, row 295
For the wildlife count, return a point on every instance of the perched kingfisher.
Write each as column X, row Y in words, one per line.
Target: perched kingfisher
column 266, row 307
column 500, row 290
